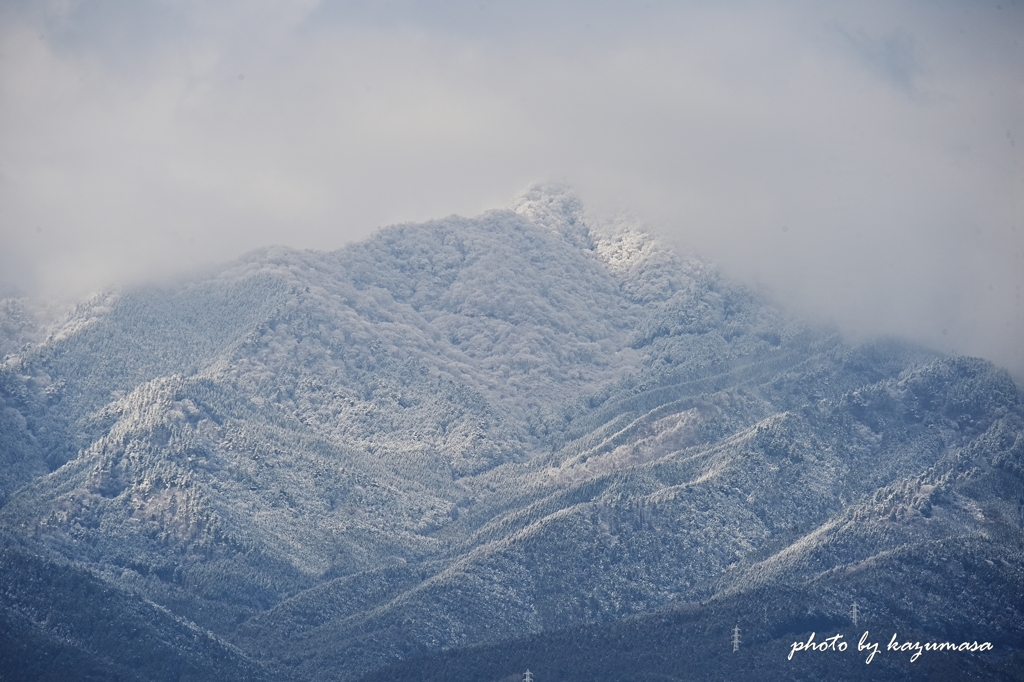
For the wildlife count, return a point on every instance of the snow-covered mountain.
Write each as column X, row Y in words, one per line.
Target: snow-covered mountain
column 474, row 432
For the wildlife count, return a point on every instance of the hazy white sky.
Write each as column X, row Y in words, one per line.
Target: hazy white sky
column 861, row 160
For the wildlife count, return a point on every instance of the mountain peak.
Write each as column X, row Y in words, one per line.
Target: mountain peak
column 556, row 207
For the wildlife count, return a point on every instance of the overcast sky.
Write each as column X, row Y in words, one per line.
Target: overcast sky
column 860, row 161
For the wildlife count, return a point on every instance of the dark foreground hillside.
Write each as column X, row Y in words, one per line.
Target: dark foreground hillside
column 470, row 447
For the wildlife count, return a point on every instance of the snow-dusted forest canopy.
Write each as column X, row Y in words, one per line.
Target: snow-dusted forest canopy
column 474, row 431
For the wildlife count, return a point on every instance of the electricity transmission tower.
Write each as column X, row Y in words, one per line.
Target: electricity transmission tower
column 853, row 614
column 527, row 676
column 736, row 638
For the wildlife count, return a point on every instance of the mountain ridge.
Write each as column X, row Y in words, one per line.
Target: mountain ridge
column 475, row 431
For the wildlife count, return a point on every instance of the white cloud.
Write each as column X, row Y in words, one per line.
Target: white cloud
column 862, row 161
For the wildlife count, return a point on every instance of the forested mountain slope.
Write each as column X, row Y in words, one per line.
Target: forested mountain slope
column 472, row 431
